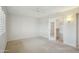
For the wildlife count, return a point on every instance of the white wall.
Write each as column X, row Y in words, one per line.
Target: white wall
column 69, row 32
column 25, row 27
column 44, row 27
column 21, row 27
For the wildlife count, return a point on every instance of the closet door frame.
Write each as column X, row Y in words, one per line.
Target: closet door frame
column 54, row 29
column 50, row 21
column 77, row 30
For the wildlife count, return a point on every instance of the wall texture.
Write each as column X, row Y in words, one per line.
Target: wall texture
column 69, row 32
column 21, row 27
column 44, row 27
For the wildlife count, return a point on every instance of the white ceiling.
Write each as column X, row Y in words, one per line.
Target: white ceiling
column 36, row 11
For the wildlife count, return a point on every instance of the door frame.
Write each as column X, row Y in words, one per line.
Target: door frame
column 77, row 30
column 50, row 21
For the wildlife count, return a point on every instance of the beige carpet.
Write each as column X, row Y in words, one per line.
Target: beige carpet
column 38, row 45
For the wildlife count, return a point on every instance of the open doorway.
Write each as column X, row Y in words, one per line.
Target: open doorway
column 59, row 30
column 56, row 32
column 53, row 31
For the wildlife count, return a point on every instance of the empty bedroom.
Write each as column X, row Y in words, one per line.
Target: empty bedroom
column 39, row 29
